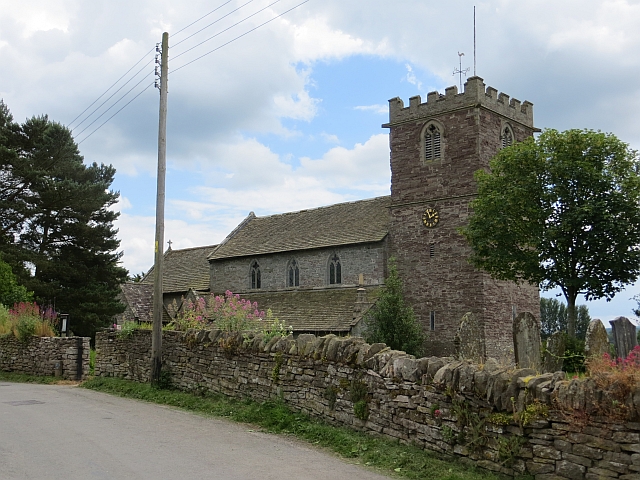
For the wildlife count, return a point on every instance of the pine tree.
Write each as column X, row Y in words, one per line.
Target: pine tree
column 63, row 246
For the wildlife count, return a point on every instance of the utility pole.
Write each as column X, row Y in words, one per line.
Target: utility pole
column 156, row 342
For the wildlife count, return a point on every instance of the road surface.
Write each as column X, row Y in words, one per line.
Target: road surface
column 66, row 432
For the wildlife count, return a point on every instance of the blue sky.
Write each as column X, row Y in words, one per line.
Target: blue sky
column 289, row 116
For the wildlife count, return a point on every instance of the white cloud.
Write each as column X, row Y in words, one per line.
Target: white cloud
column 411, row 77
column 377, row 108
column 38, row 15
column 314, row 39
column 330, row 138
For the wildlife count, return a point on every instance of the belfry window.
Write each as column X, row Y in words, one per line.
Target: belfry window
column 507, row 137
column 256, row 280
column 335, row 270
column 293, row 274
column 432, row 145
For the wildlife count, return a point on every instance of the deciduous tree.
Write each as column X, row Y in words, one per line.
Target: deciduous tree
column 560, row 211
column 554, row 317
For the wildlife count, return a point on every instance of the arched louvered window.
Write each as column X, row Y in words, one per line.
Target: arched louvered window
column 507, row 136
column 432, row 142
column 256, row 280
column 335, row 270
column 293, row 274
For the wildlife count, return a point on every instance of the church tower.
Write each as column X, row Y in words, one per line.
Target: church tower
column 436, row 147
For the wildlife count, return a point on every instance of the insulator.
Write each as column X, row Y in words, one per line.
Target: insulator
column 158, row 47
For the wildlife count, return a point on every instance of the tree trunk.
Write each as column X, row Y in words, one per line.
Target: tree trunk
column 572, row 313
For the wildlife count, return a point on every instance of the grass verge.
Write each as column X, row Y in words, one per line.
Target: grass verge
column 274, row 417
column 23, row 378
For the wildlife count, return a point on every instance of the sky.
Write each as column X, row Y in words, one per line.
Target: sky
column 288, row 116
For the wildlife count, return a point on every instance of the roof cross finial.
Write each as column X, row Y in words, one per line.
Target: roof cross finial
column 169, row 242
column 460, row 71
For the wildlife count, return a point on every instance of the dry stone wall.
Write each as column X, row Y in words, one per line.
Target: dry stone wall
column 45, row 356
column 505, row 420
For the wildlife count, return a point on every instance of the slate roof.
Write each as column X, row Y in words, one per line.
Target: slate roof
column 184, row 269
column 363, row 221
column 138, row 297
column 325, row 310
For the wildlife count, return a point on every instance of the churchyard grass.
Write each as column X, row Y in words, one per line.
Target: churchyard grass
column 387, row 456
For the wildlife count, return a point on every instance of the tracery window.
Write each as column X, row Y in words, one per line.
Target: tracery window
column 507, row 136
column 432, row 142
column 293, row 274
column 335, row 270
column 256, row 280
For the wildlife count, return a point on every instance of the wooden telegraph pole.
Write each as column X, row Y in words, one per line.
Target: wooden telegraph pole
column 156, row 342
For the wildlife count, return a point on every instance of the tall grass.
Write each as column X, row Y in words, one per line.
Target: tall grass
column 27, row 319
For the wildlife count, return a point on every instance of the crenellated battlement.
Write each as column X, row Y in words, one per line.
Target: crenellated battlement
column 475, row 95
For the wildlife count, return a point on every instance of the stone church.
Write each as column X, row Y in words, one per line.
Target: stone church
column 321, row 269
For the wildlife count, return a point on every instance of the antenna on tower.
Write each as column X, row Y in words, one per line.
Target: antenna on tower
column 460, row 71
column 474, row 40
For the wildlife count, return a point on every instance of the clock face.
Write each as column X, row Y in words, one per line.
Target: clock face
column 430, row 217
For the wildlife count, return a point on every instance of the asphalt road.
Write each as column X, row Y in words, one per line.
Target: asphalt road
column 66, row 432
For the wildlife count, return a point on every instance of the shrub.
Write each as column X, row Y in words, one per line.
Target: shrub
column 229, row 313
column 234, row 314
column 27, row 319
column 618, row 378
column 393, row 322
column 272, row 327
column 574, row 357
column 6, row 327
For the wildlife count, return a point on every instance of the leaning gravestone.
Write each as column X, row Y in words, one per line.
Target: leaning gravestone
column 526, row 341
column 624, row 336
column 597, row 341
column 469, row 339
column 554, row 354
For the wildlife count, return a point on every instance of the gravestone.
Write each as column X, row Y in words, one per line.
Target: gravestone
column 469, row 339
column 597, row 341
column 526, row 341
column 553, row 355
column 624, row 336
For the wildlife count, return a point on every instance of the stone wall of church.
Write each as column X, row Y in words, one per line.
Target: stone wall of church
column 439, row 282
column 367, row 259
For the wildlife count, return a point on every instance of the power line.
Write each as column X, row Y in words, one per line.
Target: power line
column 103, row 123
column 212, row 23
column 116, row 102
column 114, row 84
column 228, row 28
column 112, row 95
column 202, row 17
column 236, row 38
column 182, row 66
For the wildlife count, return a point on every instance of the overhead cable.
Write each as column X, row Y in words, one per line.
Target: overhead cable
column 112, row 95
column 236, row 38
column 203, row 16
column 112, row 85
column 212, row 23
column 228, row 28
column 116, row 102
column 102, row 124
